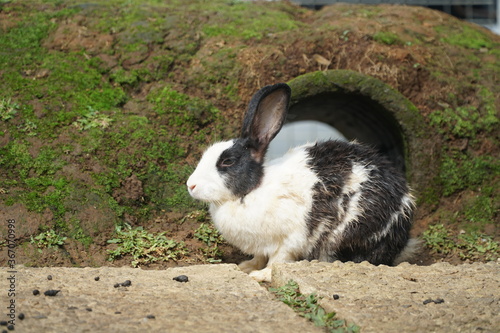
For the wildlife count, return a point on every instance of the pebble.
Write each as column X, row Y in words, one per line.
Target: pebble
column 51, row 292
column 49, row 277
column 127, row 283
column 435, row 301
column 21, row 316
column 36, row 292
column 181, row 278
column 96, row 278
column 336, row 297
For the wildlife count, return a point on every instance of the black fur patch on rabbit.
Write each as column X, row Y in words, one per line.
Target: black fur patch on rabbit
column 380, row 198
column 241, row 173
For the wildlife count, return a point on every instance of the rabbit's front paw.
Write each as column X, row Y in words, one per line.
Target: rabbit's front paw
column 252, row 265
column 264, row 275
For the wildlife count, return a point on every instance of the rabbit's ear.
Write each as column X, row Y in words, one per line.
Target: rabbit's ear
column 265, row 116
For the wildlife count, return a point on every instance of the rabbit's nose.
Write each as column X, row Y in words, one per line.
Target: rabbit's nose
column 191, row 187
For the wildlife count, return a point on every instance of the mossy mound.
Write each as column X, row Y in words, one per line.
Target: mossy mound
column 105, row 107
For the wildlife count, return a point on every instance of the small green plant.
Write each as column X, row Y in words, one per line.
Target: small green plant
column 144, row 247
column 211, row 237
column 29, row 128
column 48, row 239
column 208, row 234
column 307, row 306
column 468, row 246
column 8, row 109
column 475, row 246
column 345, row 35
column 93, row 119
column 438, row 239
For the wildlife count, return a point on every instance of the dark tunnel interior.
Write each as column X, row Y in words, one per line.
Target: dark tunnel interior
column 356, row 117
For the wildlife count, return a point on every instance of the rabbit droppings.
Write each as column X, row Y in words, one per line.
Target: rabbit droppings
column 330, row 200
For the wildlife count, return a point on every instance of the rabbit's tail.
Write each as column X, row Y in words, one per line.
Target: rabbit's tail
column 412, row 248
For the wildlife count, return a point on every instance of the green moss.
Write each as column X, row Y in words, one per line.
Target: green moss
column 430, row 195
column 71, row 103
column 464, row 36
column 167, row 190
column 77, row 232
column 387, row 37
column 480, row 211
column 185, row 113
column 248, row 21
column 465, row 121
column 460, row 171
column 220, row 74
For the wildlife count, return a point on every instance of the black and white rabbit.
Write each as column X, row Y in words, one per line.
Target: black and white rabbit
column 329, row 200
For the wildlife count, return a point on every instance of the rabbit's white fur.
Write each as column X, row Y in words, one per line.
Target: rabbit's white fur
column 268, row 222
column 207, row 182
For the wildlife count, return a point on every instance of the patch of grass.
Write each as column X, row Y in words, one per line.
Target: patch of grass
column 307, row 306
column 48, row 239
column 144, row 247
column 468, row 246
column 209, row 235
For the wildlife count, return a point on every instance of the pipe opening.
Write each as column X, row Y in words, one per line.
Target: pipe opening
column 344, row 116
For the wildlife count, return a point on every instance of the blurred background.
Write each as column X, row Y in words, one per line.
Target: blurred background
column 483, row 12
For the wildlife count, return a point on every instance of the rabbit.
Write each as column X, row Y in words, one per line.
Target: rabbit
column 330, row 200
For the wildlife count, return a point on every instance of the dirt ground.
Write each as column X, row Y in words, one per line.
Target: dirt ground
column 347, row 44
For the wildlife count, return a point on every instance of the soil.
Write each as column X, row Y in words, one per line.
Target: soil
column 341, row 41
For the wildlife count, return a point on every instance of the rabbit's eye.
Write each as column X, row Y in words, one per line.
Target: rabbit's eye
column 227, row 162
